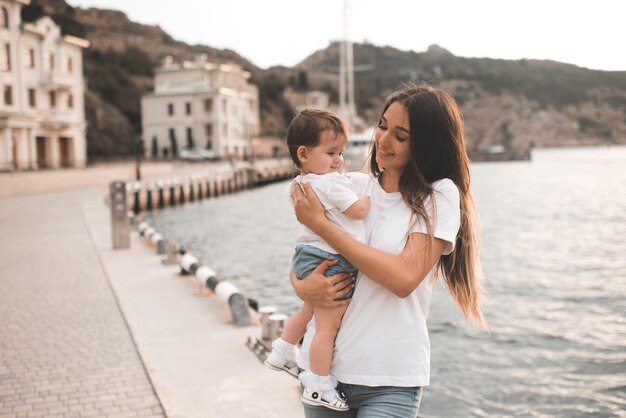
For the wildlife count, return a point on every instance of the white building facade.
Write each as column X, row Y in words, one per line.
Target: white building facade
column 313, row 99
column 42, row 112
column 200, row 105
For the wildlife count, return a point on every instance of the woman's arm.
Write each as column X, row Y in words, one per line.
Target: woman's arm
column 323, row 291
column 400, row 274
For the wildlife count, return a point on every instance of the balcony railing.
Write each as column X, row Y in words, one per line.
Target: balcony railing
column 54, row 81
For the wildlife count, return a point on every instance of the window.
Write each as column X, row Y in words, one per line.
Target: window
column 8, row 95
column 190, row 143
column 5, row 57
column 70, row 101
column 188, row 108
column 154, row 147
column 68, row 64
column 170, row 109
column 29, row 58
column 208, row 105
column 208, row 129
column 53, row 99
column 5, row 18
column 32, row 98
column 49, row 61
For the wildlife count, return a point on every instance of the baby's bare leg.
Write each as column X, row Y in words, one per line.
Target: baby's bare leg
column 296, row 325
column 327, row 322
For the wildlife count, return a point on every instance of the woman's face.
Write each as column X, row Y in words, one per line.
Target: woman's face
column 392, row 139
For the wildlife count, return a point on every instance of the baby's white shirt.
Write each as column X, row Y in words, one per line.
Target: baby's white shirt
column 336, row 192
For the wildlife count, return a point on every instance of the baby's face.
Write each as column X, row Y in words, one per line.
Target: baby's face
column 327, row 155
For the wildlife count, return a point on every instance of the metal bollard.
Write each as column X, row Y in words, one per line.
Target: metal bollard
column 159, row 242
column 149, row 199
column 147, row 234
column 189, row 264
column 171, row 253
column 192, row 194
column 119, row 217
column 199, row 190
column 143, row 225
column 250, row 177
column 277, row 323
column 265, row 313
column 132, row 218
column 161, row 201
column 136, row 203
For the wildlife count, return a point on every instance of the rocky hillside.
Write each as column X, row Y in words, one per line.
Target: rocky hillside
column 511, row 103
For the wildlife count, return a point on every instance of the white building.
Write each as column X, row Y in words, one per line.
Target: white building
column 313, row 99
column 200, row 105
column 42, row 116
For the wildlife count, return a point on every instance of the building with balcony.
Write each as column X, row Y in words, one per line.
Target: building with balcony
column 198, row 104
column 42, row 112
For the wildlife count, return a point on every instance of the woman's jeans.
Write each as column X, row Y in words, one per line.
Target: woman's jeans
column 372, row 402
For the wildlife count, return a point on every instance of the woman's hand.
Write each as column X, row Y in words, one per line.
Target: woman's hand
column 309, row 210
column 323, row 291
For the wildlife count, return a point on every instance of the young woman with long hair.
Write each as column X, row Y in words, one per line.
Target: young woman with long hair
column 422, row 225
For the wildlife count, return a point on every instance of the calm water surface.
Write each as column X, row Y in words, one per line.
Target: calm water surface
column 554, row 254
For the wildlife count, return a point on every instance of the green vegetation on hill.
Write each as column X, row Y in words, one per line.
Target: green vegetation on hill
column 547, row 82
column 62, row 14
column 111, row 76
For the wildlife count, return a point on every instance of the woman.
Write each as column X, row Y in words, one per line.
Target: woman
column 421, row 225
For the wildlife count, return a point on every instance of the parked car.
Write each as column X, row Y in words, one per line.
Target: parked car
column 197, row 154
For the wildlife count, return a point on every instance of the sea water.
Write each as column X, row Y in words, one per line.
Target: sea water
column 554, row 256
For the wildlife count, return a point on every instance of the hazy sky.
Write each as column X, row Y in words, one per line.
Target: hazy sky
column 586, row 33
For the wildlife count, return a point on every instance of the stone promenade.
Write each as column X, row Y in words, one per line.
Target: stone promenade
column 66, row 350
column 86, row 331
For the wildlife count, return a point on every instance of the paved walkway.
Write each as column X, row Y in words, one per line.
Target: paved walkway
column 65, row 348
column 87, row 331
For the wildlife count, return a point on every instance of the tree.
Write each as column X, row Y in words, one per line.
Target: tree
column 303, row 80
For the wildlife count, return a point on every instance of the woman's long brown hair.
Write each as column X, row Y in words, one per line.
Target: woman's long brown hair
column 438, row 152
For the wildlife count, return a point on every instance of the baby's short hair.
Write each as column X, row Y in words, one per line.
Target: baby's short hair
column 306, row 127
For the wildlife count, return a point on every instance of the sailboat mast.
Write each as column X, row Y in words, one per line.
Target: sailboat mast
column 342, row 65
column 350, row 71
column 347, row 108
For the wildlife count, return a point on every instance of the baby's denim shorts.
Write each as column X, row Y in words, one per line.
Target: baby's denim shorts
column 308, row 257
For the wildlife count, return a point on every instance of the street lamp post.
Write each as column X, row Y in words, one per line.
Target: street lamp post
column 138, row 152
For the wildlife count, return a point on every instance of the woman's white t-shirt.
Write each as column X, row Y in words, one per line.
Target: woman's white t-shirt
column 383, row 340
